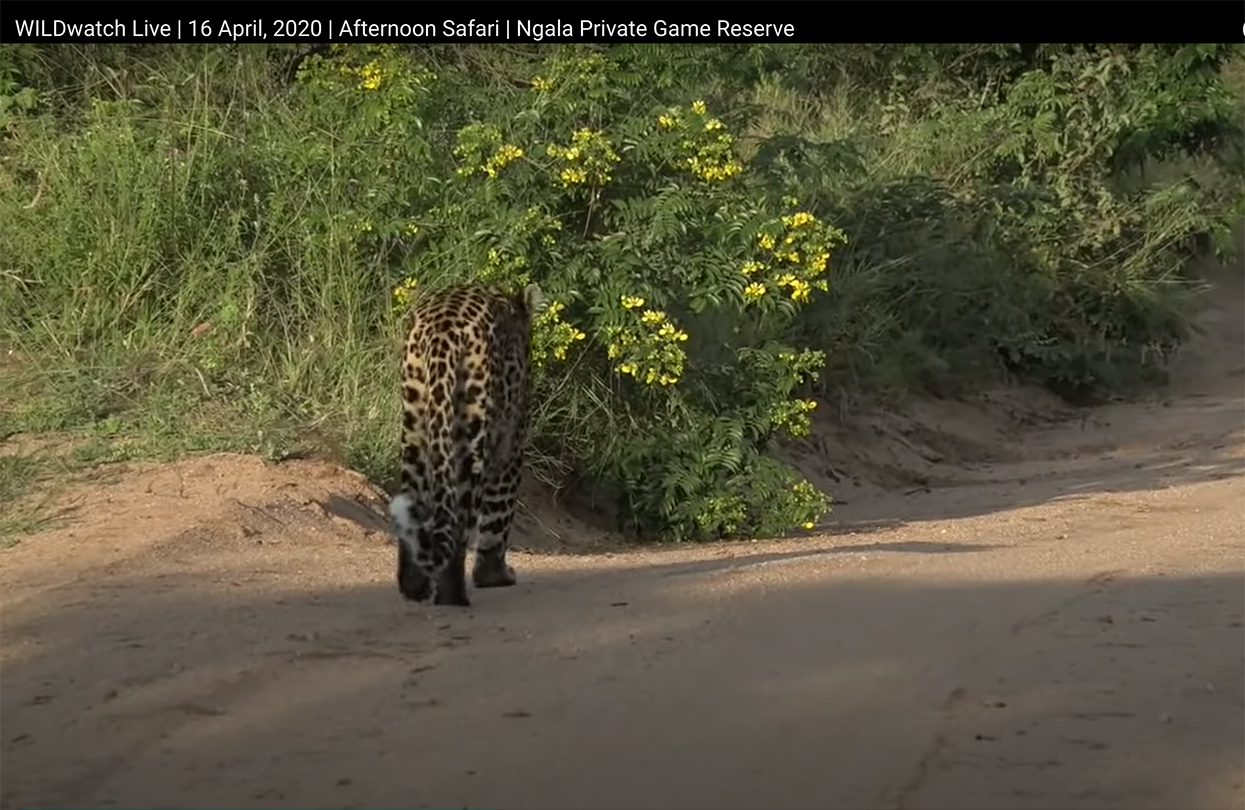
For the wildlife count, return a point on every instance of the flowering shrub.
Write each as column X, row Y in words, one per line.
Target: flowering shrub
column 636, row 222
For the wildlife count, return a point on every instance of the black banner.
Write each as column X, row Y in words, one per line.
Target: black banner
column 773, row 21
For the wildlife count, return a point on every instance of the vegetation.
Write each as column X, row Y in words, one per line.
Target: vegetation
column 215, row 248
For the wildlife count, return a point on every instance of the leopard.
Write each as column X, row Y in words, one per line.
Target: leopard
column 466, row 388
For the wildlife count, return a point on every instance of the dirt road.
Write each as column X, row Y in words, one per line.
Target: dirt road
column 1058, row 628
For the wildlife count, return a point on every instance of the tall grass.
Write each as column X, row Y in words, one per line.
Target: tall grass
column 151, row 266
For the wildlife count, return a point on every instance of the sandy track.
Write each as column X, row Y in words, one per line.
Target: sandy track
column 1062, row 629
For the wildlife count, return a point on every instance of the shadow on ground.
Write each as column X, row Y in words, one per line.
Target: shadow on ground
column 1111, row 690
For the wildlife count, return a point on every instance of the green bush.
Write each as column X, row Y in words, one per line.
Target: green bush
column 662, row 357
column 1012, row 224
column 224, row 242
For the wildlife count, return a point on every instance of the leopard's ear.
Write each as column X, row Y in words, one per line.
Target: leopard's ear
column 533, row 298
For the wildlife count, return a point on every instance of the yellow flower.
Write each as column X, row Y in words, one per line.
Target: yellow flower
column 666, row 122
column 541, row 85
column 404, row 291
column 712, row 124
column 651, row 318
column 809, row 524
column 628, row 368
column 572, row 177
column 754, row 291
column 632, row 301
column 766, row 241
column 710, row 173
column 698, row 107
column 506, row 155
column 371, row 75
column 799, row 220
column 751, row 267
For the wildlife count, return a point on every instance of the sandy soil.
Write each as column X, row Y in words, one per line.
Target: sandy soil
column 1014, row 606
